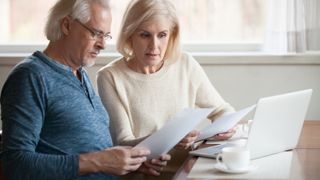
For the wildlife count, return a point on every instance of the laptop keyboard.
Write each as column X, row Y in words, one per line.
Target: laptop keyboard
column 211, row 151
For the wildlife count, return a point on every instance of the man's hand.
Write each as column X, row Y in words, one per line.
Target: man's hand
column 155, row 166
column 118, row 160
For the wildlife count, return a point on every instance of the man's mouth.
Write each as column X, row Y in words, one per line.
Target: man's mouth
column 95, row 53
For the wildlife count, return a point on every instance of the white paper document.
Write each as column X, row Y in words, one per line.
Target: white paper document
column 173, row 131
column 224, row 123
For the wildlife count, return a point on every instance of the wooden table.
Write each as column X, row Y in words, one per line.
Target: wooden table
column 306, row 155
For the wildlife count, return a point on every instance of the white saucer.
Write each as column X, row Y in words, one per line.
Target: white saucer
column 223, row 168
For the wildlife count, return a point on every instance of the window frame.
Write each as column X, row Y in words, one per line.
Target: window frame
column 193, row 47
column 203, row 48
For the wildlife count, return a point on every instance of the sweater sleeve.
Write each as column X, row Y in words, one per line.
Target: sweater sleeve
column 23, row 104
column 120, row 126
column 206, row 93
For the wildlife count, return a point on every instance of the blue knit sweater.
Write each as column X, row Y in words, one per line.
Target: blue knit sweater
column 49, row 117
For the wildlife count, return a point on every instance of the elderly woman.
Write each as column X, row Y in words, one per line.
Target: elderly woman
column 154, row 80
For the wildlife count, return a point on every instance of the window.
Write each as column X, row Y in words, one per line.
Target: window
column 202, row 22
column 22, row 21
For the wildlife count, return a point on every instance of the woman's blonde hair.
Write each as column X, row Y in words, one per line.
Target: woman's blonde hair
column 142, row 11
column 76, row 9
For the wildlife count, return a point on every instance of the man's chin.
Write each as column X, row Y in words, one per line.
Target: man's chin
column 89, row 63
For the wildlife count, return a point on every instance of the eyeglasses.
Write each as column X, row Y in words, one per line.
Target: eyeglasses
column 96, row 35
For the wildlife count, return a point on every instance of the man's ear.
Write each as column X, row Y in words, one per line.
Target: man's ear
column 65, row 25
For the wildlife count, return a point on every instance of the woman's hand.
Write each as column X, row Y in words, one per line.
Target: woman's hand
column 225, row 135
column 154, row 166
column 188, row 140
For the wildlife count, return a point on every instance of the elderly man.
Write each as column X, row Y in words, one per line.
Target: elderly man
column 54, row 124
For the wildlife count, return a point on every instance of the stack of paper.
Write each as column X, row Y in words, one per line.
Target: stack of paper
column 175, row 130
column 224, row 123
column 184, row 122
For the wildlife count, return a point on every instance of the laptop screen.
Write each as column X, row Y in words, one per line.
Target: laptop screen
column 277, row 123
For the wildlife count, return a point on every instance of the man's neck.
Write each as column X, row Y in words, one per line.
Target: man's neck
column 56, row 53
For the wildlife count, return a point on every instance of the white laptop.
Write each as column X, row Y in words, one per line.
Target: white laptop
column 276, row 125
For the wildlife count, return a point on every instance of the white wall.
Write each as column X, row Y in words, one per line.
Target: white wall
column 241, row 79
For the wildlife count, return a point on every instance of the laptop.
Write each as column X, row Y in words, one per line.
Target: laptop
column 276, row 125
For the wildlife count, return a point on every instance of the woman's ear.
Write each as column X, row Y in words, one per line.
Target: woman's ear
column 130, row 42
column 65, row 25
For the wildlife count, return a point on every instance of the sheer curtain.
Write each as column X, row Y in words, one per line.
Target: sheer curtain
column 293, row 26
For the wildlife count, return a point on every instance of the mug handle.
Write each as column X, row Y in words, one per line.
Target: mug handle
column 218, row 159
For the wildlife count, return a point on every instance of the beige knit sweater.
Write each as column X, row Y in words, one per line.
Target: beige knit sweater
column 140, row 104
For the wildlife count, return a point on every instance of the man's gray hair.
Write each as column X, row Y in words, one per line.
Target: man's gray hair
column 76, row 9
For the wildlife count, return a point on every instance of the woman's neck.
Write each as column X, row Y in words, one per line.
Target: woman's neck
column 132, row 64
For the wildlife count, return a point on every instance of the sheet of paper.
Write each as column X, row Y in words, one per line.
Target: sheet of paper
column 172, row 132
column 224, row 123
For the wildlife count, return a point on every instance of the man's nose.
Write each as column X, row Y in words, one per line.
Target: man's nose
column 101, row 44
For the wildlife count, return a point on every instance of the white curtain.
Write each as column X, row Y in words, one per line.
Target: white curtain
column 293, row 26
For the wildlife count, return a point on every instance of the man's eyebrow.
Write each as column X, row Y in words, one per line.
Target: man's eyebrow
column 101, row 32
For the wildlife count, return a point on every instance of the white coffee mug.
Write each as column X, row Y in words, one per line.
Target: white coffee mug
column 235, row 158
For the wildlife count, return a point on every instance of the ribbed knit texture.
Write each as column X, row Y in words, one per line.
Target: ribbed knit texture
column 50, row 117
column 140, row 104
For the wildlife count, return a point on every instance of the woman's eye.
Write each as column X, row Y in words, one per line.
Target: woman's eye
column 144, row 35
column 163, row 35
